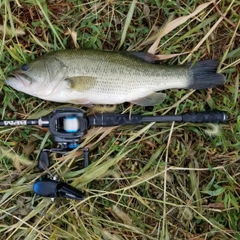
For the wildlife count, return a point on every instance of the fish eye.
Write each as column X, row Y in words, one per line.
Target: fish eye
column 25, row 67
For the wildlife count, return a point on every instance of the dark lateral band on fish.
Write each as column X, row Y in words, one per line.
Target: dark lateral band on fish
column 105, row 77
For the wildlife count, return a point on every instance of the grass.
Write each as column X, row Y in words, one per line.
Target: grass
column 157, row 181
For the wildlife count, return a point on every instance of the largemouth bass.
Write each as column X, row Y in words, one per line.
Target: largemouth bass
column 103, row 77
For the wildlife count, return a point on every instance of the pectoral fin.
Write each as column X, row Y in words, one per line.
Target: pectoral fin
column 150, row 100
column 81, row 83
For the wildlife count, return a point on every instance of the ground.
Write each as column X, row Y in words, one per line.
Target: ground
column 152, row 181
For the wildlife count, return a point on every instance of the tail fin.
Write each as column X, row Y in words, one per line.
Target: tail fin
column 203, row 75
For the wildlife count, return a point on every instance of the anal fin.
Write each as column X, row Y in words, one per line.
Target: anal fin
column 150, row 100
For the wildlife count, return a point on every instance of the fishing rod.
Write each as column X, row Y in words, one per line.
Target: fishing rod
column 68, row 125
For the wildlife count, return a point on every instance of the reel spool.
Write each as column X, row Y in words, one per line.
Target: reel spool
column 67, row 126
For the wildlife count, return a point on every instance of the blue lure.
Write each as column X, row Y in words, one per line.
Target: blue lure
column 47, row 187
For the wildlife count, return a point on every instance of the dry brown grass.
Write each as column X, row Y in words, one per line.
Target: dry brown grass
column 158, row 181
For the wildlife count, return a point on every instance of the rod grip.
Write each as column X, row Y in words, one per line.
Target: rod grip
column 112, row 119
column 205, row 117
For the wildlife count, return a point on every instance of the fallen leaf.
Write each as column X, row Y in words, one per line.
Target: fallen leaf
column 122, row 215
column 73, row 35
column 12, row 31
column 168, row 56
column 127, row 22
column 216, row 205
column 174, row 24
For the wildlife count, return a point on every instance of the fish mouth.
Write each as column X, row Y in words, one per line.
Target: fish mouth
column 20, row 78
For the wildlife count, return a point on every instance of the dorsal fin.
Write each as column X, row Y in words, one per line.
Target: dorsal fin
column 144, row 56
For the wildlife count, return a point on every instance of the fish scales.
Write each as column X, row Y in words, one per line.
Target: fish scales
column 121, row 75
column 104, row 77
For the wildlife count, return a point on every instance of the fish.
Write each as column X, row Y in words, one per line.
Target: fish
column 89, row 77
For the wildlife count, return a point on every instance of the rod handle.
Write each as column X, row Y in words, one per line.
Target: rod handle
column 205, row 117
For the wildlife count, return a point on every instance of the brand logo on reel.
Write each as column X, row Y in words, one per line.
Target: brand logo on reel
column 15, row 123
